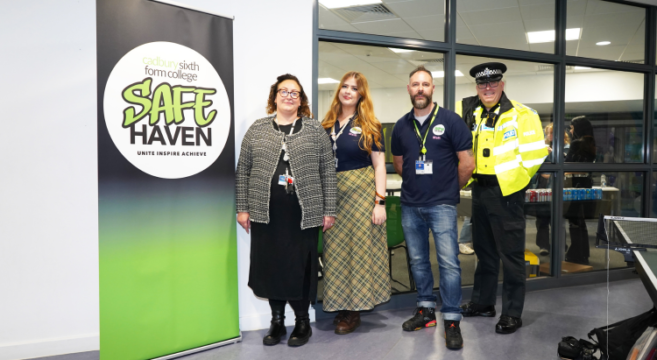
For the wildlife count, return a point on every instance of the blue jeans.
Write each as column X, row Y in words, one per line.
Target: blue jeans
column 441, row 219
column 466, row 231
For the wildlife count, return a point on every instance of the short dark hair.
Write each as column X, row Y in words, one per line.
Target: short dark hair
column 420, row 68
column 304, row 109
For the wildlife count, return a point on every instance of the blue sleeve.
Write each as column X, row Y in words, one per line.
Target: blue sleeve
column 396, row 146
column 461, row 135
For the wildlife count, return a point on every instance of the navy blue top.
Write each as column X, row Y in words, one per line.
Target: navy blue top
column 447, row 136
column 350, row 155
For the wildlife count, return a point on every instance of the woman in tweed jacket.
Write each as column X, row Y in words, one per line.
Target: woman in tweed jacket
column 286, row 191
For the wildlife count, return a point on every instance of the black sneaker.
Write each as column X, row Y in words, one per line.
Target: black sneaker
column 423, row 318
column 453, row 338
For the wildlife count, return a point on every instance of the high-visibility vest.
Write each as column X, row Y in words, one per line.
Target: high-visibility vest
column 518, row 148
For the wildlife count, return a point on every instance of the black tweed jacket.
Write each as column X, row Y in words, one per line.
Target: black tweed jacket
column 311, row 163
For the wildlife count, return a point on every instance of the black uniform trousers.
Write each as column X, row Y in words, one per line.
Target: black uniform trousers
column 499, row 234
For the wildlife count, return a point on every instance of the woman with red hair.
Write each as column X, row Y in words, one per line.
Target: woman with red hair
column 356, row 273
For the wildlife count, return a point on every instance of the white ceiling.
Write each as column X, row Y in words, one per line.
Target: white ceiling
column 505, row 23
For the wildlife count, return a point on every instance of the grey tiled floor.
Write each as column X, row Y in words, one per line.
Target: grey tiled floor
column 549, row 315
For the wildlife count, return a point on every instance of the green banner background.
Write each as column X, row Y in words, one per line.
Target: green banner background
column 168, row 253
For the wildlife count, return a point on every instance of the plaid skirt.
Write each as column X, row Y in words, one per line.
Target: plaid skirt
column 356, row 275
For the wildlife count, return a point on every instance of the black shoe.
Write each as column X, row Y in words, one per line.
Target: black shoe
column 544, row 252
column 472, row 309
column 508, row 324
column 301, row 333
column 423, row 318
column 453, row 338
column 276, row 329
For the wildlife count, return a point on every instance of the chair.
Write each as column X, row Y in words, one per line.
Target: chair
column 396, row 235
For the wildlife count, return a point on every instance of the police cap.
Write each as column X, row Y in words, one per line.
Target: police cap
column 488, row 72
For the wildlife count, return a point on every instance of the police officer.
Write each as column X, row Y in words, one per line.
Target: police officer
column 508, row 148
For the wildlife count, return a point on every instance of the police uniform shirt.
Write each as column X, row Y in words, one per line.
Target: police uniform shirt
column 349, row 154
column 447, row 135
column 484, row 138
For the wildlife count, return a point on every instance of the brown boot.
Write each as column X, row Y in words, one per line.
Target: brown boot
column 349, row 323
column 341, row 314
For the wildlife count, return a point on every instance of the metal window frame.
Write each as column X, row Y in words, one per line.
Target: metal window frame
column 450, row 49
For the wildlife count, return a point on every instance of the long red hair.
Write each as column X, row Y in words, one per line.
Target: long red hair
column 365, row 119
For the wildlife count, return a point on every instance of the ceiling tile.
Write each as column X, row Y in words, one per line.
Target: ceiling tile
column 417, row 8
column 513, row 30
column 495, row 16
column 544, row 10
column 484, row 5
column 433, row 34
column 426, row 22
column 539, row 24
column 384, row 27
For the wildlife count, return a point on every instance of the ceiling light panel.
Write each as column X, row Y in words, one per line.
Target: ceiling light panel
column 440, row 74
column 321, row 81
column 537, row 37
column 395, row 50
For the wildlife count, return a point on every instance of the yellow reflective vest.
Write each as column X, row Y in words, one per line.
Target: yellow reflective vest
column 518, row 146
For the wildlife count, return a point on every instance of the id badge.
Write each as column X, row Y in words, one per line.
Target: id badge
column 428, row 167
column 282, row 180
column 419, row 167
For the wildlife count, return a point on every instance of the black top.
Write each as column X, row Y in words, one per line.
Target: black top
column 349, row 154
column 447, row 136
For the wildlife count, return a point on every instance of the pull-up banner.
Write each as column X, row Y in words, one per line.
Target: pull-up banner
column 166, row 160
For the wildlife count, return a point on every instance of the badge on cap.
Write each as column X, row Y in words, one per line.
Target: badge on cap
column 488, row 72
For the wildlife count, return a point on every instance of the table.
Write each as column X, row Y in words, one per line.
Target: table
column 638, row 231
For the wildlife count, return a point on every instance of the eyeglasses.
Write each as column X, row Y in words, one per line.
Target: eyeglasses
column 492, row 85
column 285, row 93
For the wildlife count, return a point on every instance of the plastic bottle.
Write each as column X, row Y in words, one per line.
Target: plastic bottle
column 603, row 180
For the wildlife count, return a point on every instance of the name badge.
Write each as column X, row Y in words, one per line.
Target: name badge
column 423, row 167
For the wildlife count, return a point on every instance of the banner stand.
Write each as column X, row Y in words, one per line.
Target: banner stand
column 168, row 274
column 194, row 8
column 202, row 348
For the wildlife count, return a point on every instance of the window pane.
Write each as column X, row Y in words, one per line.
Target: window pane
column 520, row 25
column 387, row 73
column 608, row 31
column 654, row 133
column 538, row 214
column 607, row 109
column 654, row 195
column 586, row 196
column 417, row 19
column 531, row 84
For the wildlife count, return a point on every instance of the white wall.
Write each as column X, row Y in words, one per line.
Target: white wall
column 48, row 192
column 48, row 197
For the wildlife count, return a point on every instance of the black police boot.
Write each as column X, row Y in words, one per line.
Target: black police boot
column 302, row 331
column 472, row 309
column 453, row 338
column 508, row 324
column 276, row 329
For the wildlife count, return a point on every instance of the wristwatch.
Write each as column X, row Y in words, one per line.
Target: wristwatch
column 380, row 202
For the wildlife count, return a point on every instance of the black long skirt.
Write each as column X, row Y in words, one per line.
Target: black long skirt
column 284, row 261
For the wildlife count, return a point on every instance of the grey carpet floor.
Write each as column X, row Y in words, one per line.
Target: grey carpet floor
column 548, row 316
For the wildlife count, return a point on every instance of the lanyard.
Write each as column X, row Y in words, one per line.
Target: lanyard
column 286, row 157
column 335, row 136
column 423, row 150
